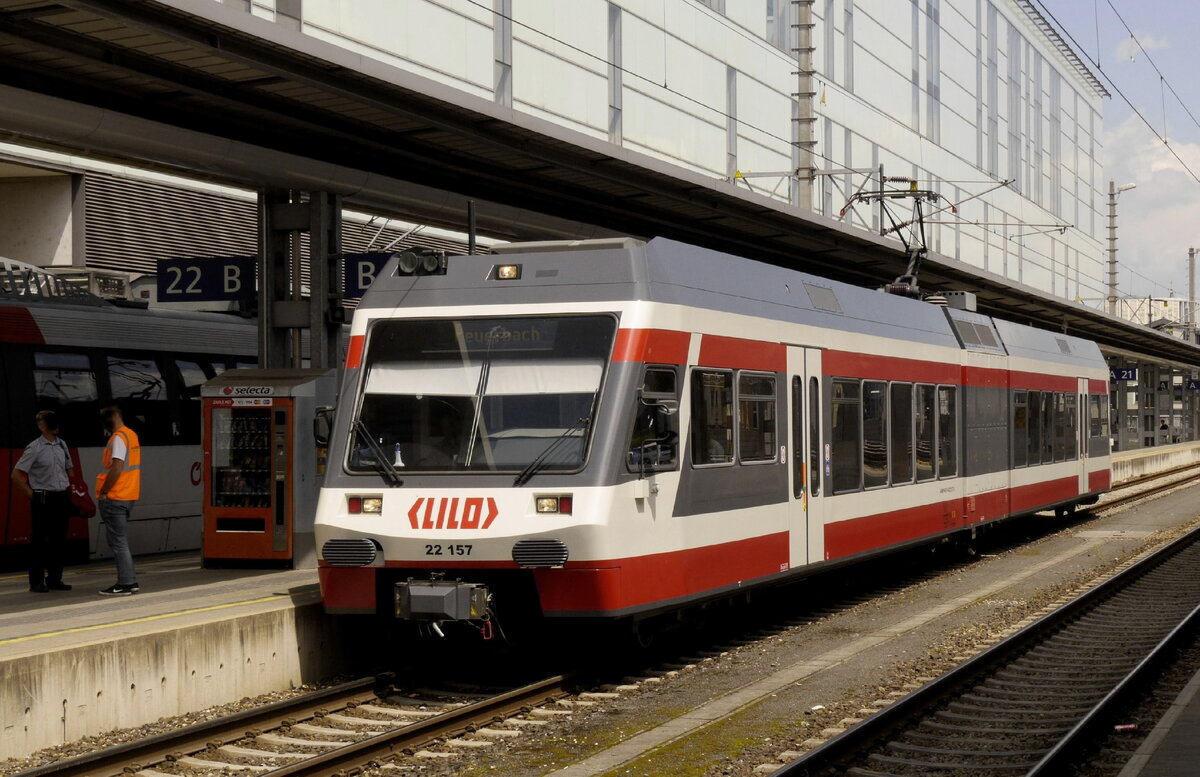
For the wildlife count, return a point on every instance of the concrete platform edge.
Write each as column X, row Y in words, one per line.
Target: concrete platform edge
column 66, row 693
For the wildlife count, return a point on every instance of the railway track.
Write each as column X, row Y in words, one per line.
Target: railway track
column 324, row 733
column 1032, row 703
column 1162, row 481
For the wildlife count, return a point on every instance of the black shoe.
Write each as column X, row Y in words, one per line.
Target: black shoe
column 40, row 588
column 58, row 586
column 120, row 590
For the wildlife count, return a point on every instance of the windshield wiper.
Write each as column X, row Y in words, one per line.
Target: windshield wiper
column 382, row 465
column 535, row 466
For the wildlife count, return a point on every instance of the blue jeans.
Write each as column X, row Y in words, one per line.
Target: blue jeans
column 115, row 515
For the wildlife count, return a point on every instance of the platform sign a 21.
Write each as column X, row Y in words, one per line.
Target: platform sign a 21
column 1123, row 373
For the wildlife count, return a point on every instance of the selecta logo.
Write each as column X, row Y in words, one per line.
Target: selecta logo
column 443, row 513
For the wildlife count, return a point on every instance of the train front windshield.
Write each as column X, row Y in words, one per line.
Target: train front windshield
column 492, row 395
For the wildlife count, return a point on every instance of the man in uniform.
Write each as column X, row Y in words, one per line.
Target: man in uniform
column 118, row 486
column 41, row 475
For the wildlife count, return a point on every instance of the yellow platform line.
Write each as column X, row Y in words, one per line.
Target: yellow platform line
column 146, row 619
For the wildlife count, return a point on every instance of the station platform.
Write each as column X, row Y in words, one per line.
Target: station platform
column 1173, row 746
column 74, row 663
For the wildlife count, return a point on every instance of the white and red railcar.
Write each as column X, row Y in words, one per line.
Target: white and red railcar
column 614, row 429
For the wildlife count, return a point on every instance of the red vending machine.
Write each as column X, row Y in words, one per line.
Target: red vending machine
column 262, row 466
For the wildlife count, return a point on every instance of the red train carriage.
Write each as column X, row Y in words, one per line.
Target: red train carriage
column 615, row 429
column 69, row 354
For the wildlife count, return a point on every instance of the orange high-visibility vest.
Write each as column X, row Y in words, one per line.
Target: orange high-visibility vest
column 129, row 484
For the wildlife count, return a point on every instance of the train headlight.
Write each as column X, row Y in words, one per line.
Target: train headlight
column 357, row 505
column 555, row 504
column 508, row 272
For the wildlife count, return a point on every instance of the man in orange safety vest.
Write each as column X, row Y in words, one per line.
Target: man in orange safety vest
column 118, row 486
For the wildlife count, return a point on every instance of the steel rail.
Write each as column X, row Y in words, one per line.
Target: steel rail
column 455, row 721
column 845, row 747
column 230, row 728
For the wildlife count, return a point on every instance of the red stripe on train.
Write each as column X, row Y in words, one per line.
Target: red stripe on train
column 871, row 532
column 736, row 353
column 847, row 364
column 354, row 351
column 17, row 325
column 660, row 346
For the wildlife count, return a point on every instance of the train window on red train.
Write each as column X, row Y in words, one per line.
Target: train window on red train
column 712, row 417
column 1047, row 427
column 66, row 383
column 756, row 417
column 1033, row 450
column 797, row 437
column 901, row 444
column 875, row 427
column 1060, row 426
column 654, row 443
column 845, row 429
column 1020, row 428
column 947, row 431
column 814, row 436
column 1072, row 427
column 924, row 423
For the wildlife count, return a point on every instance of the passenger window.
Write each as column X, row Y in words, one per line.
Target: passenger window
column 1047, row 427
column 191, row 377
column 924, row 423
column 1020, row 426
column 798, row 483
column 1034, row 449
column 1072, row 427
column 138, row 386
column 875, row 454
column 1094, row 415
column 654, row 445
column 947, row 431
column 814, row 436
column 1060, row 426
column 712, row 417
column 902, row 433
column 756, row 417
column 66, row 384
column 846, row 436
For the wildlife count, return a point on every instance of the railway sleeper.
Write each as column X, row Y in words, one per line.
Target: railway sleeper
column 252, row 752
column 1058, row 675
column 1030, row 685
column 999, row 753
column 1027, row 701
column 973, row 728
column 994, row 716
column 1082, row 663
column 326, row 731
column 207, row 765
column 889, row 761
column 1031, row 712
column 1044, row 742
column 276, row 739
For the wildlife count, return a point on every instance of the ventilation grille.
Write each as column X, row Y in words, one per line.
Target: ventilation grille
column 1063, row 345
column 349, row 552
column 823, row 298
column 540, row 553
column 131, row 224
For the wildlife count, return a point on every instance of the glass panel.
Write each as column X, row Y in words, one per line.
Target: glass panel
column 1072, row 417
column 1060, row 426
column 797, row 437
column 875, row 454
column 654, row 444
column 712, row 422
column 1094, row 416
column 924, row 423
column 481, row 394
column 191, row 377
column 1047, row 427
column 1020, row 444
column 66, row 384
column 1035, row 428
column 814, row 435
column 846, row 437
column 902, row 433
column 947, row 431
column 138, row 386
column 241, row 461
column 756, row 417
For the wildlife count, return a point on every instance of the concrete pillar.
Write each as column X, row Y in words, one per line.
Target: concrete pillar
column 37, row 220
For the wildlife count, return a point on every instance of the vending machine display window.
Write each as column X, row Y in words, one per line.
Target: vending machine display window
column 241, row 460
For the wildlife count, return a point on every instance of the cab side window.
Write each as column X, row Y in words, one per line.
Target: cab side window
column 654, row 443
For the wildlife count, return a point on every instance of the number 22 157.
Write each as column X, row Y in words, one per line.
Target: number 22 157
column 447, row 550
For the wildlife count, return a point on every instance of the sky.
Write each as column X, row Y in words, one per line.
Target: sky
column 1160, row 219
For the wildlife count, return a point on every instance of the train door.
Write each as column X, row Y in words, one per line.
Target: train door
column 1078, row 416
column 804, row 463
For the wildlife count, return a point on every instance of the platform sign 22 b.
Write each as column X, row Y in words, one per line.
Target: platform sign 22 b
column 208, row 279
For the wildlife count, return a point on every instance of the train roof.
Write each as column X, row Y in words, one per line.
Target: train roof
column 670, row 272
